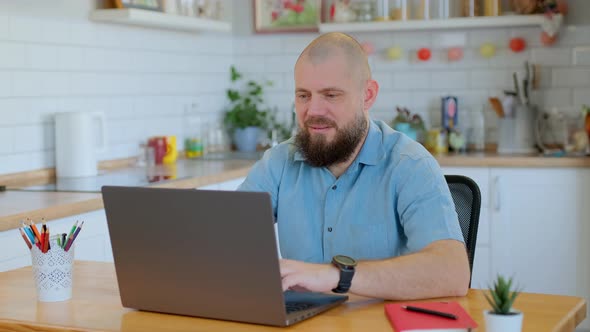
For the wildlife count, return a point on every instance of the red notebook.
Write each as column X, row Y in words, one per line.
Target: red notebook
column 403, row 320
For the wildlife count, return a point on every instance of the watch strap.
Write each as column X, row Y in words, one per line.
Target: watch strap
column 345, row 281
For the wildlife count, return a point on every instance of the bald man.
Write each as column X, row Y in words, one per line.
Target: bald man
column 359, row 206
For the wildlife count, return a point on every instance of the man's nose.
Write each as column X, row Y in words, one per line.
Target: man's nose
column 316, row 106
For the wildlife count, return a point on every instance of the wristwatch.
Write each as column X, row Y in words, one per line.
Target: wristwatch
column 346, row 266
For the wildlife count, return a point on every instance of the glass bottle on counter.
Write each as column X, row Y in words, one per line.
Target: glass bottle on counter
column 193, row 135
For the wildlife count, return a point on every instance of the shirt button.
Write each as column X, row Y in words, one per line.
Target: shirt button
column 334, row 187
column 329, row 229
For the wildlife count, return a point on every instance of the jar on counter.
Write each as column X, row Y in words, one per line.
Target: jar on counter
column 471, row 8
column 383, row 12
column 399, row 10
column 492, row 8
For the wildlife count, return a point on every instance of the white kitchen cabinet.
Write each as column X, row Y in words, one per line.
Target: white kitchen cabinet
column 539, row 228
column 229, row 185
column 92, row 243
column 535, row 227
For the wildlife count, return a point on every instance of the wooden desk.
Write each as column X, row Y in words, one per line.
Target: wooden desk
column 96, row 306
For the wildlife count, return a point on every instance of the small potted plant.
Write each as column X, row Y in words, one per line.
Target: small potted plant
column 246, row 116
column 411, row 125
column 502, row 318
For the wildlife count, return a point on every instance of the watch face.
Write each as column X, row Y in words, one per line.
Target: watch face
column 345, row 260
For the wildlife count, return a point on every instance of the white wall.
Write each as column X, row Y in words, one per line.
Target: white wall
column 52, row 58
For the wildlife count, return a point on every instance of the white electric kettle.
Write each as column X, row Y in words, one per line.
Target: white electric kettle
column 79, row 137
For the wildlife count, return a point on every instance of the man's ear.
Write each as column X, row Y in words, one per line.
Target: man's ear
column 371, row 91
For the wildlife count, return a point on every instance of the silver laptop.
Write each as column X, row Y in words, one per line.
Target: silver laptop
column 202, row 253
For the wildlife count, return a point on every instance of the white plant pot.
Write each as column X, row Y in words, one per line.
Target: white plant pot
column 503, row 323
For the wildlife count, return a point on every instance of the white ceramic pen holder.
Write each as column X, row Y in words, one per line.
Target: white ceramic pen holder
column 53, row 272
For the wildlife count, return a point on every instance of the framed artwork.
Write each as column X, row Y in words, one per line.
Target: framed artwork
column 140, row 4
column 272, row 16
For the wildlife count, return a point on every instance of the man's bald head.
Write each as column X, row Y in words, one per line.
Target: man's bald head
column 334, row 44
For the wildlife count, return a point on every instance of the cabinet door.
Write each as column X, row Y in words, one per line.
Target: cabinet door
column 536, row 228
column 231, row 184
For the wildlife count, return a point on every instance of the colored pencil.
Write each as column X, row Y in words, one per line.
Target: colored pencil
column 26, row 238
column 70, row 242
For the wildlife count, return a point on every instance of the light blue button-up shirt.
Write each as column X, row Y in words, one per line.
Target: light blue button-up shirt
column 392, row 200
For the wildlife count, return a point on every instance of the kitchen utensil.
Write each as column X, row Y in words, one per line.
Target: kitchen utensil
column 517, row 134
column 497, row 106
column 77, row 143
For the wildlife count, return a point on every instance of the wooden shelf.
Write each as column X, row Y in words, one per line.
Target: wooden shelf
column 153, row 19
column 436, row 24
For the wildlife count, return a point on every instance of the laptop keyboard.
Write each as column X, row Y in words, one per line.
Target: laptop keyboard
column 297, row 306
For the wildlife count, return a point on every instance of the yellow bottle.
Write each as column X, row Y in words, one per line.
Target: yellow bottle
column 171, row 150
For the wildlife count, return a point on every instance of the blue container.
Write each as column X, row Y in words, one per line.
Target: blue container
column 404, row 127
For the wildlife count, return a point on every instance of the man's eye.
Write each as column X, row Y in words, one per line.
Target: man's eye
column 302, row 97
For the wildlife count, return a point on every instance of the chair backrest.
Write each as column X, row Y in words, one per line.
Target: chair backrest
column 467, row 199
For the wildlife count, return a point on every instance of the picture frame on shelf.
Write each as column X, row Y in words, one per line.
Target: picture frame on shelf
column 278, row 16
column 155, row 5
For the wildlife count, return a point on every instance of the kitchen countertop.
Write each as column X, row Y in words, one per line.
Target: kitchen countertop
column 18, row 205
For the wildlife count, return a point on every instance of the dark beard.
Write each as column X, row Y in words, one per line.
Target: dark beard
column 319, row 153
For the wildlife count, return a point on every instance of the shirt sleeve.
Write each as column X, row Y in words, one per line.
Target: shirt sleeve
column 425, row 206
column 265, row 176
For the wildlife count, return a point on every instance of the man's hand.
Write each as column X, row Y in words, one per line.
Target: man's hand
column 307, row 276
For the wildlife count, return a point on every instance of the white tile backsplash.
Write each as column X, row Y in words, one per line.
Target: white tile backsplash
column 4, row 27
column 552, row 56
column 56, row 31
column 497, row 37
column 571, row 77
column 27, row 29
column 491, row 78
column 142, row 79
column 145, row 79
column 449, row 80
column 5, row 83
column 14, row 55
column 582, row 56
column 6, row 137
column 581, row 97
column 553, row 98
column 449, row 39
column 411, row 80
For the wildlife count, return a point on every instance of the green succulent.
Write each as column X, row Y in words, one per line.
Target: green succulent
column 502, row 296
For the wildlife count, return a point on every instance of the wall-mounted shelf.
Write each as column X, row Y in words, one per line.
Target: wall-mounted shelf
column 436, row 24
column 152, row 19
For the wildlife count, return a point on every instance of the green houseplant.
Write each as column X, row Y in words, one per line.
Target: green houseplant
column 247, row 114
column 502, row 317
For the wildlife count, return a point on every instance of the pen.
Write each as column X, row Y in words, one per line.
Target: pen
column 430, row 312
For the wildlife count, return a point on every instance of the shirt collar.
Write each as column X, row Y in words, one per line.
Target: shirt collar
column 371, row 152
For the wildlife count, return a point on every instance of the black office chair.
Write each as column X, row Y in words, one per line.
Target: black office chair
column 467, row 199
